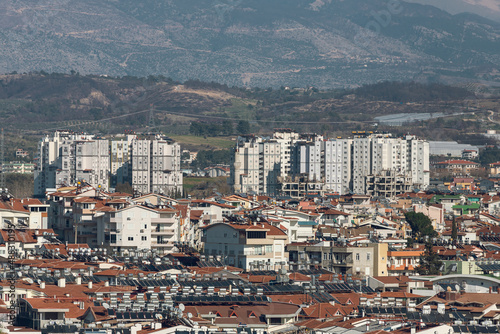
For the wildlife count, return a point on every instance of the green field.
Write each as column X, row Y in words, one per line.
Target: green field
column 242, row 108
column 191, row 182
column 204, row 143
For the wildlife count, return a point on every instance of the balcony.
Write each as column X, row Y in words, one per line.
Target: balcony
column 162, row 243
column 170, row 232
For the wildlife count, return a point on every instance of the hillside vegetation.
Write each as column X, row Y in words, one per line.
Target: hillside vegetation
column 205, row 116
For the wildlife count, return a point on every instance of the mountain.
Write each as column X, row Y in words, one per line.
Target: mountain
column 321, row 43
column 487, row 8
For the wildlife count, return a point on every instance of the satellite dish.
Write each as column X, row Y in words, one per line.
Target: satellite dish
column 105, row 305
column 182, row 307
column 29, row 280
column 190, row 315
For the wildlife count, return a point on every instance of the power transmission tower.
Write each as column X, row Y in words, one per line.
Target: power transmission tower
column 152, row 124
column 2, row 158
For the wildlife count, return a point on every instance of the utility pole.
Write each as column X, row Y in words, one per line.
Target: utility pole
column 2, row 158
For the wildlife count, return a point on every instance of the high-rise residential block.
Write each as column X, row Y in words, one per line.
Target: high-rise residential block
column 332, row 165
column 156, row 166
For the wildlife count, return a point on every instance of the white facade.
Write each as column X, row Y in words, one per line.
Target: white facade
column 306, row 159
column 245, row 245
column 361, row 164
column 120, row 160
column 336, row 165
column 341, row 165
column 257, row 166
column 156, row 166
column 92, row 163
column 66, row 158
column 136, row 228
column 286, row 138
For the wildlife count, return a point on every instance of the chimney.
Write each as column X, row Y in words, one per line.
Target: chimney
column 82, row 305
column 42, row 285
column 61, row 282
column 367, row 327
column 413, row 330
column 106, row 283
column 90, row 284
column 78, row 280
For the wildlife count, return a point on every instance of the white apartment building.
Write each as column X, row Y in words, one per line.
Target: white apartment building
column 156, row 166
column 286, row 138
column 120, row 157
column 242, row 245
column 361, row 163
column 307, row 158
column 419, row 162
column 377, row 154
column 51, row 171
column 336, row 165
column 92, row 163
column 137, row 227
column 257, row 166
column 333, row 165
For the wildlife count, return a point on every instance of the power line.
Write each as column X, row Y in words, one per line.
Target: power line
column 150, row 110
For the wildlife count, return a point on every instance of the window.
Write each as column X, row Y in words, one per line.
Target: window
column 357, row 256
column 258, row 250
column 256, row 234
column 368, row 256
column 269, row 248
column 144, row 238
column 130, row 238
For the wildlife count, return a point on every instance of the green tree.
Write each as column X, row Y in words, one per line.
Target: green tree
column 243, row 127
column 227, row 127
column 124, row 188
column 489, row 155
column 420, row 224
column 430, row 263
column 197, row 128
column 409, row 242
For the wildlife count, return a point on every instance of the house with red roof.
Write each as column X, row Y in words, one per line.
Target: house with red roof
column 23, row 213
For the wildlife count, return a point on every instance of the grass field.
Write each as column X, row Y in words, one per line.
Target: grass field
column 240, row 108
column 190, row 182
column 204, row 143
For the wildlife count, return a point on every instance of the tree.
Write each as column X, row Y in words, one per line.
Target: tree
column 430, row 263
column 124, row 188
column 420, row 224
column 409, row 242
column 454, row 232
column 20, row 185
column 227, row 127
column 243, row 127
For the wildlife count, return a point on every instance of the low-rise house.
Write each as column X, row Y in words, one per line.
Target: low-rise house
column 457, row 167
column 258, row 316
column 340, row 258
column 403, row 261
column 38, row 313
